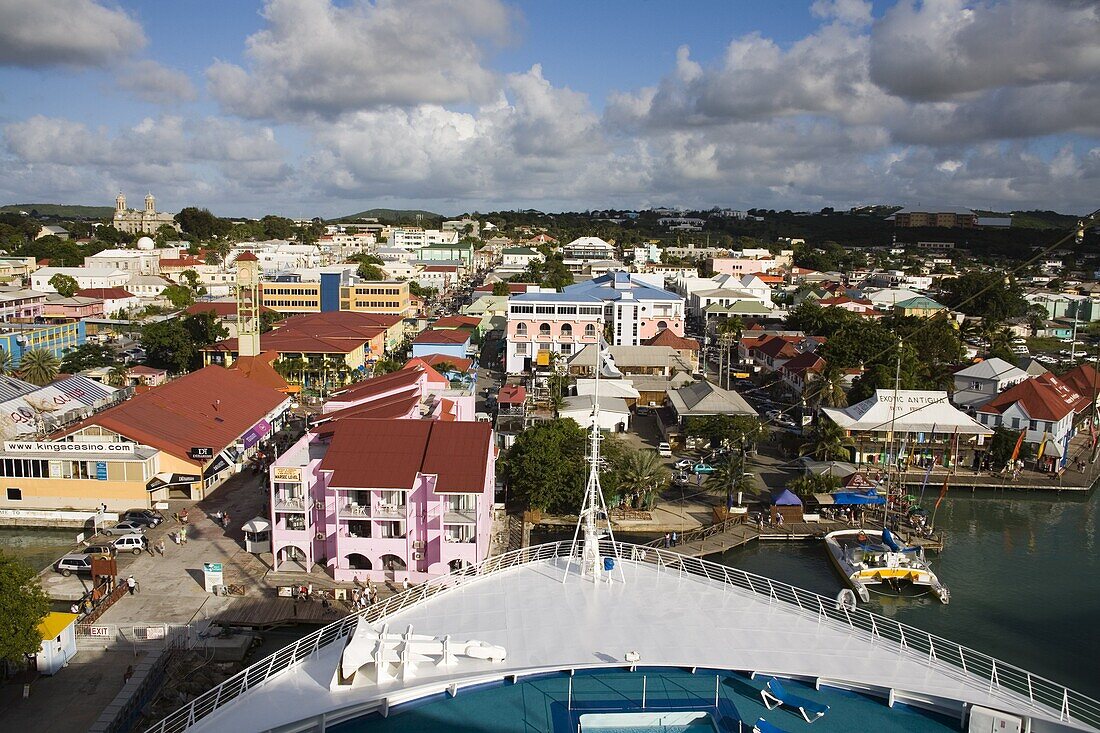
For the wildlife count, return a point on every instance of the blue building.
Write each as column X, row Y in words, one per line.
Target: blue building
column 57, row 338
column 454, row 342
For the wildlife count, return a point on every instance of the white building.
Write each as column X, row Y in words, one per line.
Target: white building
column 140, row 261
column 408, row 238
column 983, row 381
column 147, row 221
column 435, row 236
column 277, row 255
column 85, row 278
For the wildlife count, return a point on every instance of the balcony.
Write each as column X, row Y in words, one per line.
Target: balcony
column 354, row 511
column 459, row 538
column 391, row 511
column 290, row 504
column 460, row 516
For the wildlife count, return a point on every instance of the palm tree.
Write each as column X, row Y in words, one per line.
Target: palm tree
column 828, row 388
column 828, row 442
column 729, row 476
column 5, row 362
column 641, row 473
column 119, row 376
column 39, row 367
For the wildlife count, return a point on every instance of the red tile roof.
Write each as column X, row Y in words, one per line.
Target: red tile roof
column 434, row 360
column 512, row 394
column 212, row 407
column 433, row 375
column 142, row 369
column 432, row 336
column 441, row 268
column 1044, row 397
column 167, row 263
column 667, row 338
column 105, row 293
column 457, row 322
column 388, row 454
column 379, row 385
column 1085, row 380
column 395, row 406
column 315, row 333
column 808, row 362
column 259, row 370
column 246, row 257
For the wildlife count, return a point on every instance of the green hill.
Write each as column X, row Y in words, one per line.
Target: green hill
column 390, row 216
column 62, row 211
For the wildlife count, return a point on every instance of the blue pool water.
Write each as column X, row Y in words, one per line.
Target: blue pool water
column 542, row 704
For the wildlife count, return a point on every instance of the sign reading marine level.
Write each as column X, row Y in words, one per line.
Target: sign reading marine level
column 201, row 454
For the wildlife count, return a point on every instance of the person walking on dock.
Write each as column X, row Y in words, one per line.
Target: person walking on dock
column 131, row 584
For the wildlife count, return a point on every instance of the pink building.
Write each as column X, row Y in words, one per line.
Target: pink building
column 393, row 480
column 385, row 499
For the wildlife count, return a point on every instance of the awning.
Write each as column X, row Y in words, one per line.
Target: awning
column 1052, row 448
column 856, row 497
column 172, row 479
column 256, row 524
column 824, row 499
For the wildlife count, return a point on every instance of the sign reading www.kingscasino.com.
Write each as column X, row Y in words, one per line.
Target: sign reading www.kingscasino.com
column 33, row 446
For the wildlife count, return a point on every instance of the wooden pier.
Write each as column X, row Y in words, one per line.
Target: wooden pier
column 268, row 612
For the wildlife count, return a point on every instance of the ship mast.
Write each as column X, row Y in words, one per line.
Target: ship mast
column 594, row 523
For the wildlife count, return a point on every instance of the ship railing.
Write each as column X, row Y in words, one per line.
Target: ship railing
column 1016, row 686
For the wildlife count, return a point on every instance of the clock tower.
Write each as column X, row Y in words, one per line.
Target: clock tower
column 248, row 305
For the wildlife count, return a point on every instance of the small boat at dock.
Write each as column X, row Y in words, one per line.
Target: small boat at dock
column 870, row 559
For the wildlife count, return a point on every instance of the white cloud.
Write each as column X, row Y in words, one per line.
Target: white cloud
column 75, row 33
column 940, row 49
column 314, row 57
column 152, row 82
column 854, row 12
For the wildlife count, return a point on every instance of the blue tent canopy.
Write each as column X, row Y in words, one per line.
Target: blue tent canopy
column 858, row 497
column 785, row 498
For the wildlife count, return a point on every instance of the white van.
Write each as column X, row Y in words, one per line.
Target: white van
column 664, row 450
column 135, row 543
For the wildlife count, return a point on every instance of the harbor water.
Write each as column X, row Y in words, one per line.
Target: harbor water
column 1024, row 576
column 39, row 548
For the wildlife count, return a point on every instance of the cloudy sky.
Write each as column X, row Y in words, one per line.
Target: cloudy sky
column 319, row 108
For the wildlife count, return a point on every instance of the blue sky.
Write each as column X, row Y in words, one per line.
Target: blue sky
column 309, row 107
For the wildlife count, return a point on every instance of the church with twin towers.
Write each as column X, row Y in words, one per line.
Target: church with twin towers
column 147, row 221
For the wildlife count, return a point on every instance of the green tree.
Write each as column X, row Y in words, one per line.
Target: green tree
column 204, row 328
column 39, row 366
column 387, row 366
column 727, row 430
column 5, row 362
column 23, row 606
column 119, row 376
column 192, row 280
column 87, row 356
column 501, row 288
column 828, row 442
column 827, row 388
column 277, row 227
column 814, row 483
column 168, row 345
column 729, row 477
column 419, row 291
column 544, row 468
column 65, row 286
column 641, row 476
column 985, row 293
column 368, row 271
column 201, row 224
column 180, row 296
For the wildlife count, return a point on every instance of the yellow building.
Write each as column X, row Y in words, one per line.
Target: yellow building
column 388, row 297
column 292, row 297
column 919, row 307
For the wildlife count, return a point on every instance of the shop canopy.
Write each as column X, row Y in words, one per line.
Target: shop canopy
column 785, row 498
column 909, row 411
column 843, row 498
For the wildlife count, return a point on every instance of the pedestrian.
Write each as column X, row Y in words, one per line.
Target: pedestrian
column 183, row 535
column 668, row 542
column 160, row 547
column 149, row 548
column 183, row 516
column 673, row 539
column 128, row 674
column 225, row 520
column 404, row 584
column 131, row 584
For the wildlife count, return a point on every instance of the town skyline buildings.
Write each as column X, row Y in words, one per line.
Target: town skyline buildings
column 310, row 108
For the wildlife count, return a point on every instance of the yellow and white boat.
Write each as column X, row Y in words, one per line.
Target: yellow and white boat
column 871, row 559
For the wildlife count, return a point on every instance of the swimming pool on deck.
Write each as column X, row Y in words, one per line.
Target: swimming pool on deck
column 671, row 699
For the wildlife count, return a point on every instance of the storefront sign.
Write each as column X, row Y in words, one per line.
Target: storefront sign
column 34, row 446
column 218, row 465
column 201, row 454
column 257, row 431
column 101, row 470
column 283, row 473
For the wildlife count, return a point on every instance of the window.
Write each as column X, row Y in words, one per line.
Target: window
column 549, row 309
column 590, row 330
column 567, row 348
column 1033, row 425
column 521, row 329
column 1015, row 423
column 662, row 325
column 521, row 348
column 544, row 329
column 15, row 494
column 566, row 330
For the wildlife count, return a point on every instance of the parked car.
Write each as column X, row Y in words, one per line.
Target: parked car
column 127, row 527
column 664, row 450
column 703, row 468
column 74, row 562
column 107, row 549
column 134, row 543
column 684, row 464
column 148, row 517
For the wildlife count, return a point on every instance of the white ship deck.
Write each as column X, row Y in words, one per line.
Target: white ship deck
column 695, row 615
